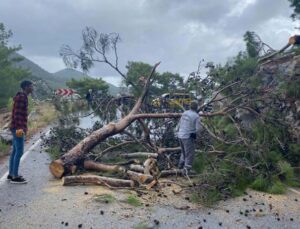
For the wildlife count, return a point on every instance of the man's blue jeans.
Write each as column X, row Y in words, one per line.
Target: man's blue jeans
column 17, row 152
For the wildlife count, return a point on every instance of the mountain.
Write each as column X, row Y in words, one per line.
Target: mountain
column 57, row 79
column 69, row 73
column 37, row 71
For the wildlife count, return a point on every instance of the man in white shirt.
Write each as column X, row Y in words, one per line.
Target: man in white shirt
column 189, row 125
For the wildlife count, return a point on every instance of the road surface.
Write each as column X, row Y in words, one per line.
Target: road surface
column 45, row 203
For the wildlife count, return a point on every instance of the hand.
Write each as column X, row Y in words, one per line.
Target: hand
column 19, row 133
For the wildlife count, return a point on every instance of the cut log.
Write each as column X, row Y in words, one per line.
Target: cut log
column 139, row 177
column 137, row 168
column 168, row 150
column 151, row 184
column 138, row 154
column 91, row 165
column 173, row 172
column 151, row 167
column 57, row 168
column 97, row 180
column 131, row 161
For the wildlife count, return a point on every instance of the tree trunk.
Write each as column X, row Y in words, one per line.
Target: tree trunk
column 137, row 168
column 97, row 180
column 91, row 165
column 77, row 154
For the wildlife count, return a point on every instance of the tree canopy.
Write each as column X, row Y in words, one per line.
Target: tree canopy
column 295, row 4
column 83, row 85
column 10, row 76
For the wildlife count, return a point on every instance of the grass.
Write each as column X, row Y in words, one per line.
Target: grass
column 54, row 152
column 141, row 226
column 4, row 148
column 45, row 113
column 195, row 198
column 105, row 198
column 133, row 201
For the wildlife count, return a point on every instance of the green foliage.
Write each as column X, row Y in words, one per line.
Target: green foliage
column 137, row 72
column 63, row 137
column 105, row 198
column 277, row 187
column 260, row 184
column 54, row 152
column 83, row 85
column 199, row 163
column 295, row 4
column 4, row 148
column 133, row 201
column 294, row 154
column 10, row 77
column 252, row 44
column 286, row 172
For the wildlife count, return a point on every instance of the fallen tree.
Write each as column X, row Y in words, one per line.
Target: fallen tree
column 76, row 155
column 249, row 142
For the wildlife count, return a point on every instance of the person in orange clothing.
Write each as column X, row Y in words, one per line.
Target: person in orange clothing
column 18, row 128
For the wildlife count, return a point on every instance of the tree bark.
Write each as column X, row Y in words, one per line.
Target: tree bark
column 139, row 177
column 97, row 180
column 137, row 168
column 76, row 155
column 91, row 165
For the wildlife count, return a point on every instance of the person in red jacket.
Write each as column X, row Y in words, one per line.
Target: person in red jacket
column 19, row 128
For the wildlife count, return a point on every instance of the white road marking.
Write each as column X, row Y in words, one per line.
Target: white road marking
column 3, row 178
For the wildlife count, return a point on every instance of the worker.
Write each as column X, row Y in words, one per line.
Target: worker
column 188, row 127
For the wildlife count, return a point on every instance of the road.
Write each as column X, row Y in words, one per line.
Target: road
column 45, row 203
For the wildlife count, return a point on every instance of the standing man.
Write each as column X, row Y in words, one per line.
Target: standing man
column 89, row 97
column 19, row 128
column 189, row 125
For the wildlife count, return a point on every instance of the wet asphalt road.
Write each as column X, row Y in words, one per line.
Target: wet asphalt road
column 45, row 203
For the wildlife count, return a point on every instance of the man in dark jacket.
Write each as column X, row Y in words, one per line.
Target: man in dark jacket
column 19, row 128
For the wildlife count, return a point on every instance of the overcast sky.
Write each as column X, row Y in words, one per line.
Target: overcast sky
column 179, row 33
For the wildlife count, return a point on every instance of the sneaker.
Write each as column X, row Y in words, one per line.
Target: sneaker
column 18, row 180
column 9, row 177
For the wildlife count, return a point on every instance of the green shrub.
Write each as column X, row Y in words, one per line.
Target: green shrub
column 4, row 148
column 134, row 201
column 260, row 184
column 277, row 188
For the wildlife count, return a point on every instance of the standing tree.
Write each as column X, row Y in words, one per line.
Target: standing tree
column 9, row 75
column 83, row 85
column 295, row 4
column 253, row 44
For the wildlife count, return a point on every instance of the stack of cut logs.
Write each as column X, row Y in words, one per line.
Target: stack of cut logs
column 136, row 174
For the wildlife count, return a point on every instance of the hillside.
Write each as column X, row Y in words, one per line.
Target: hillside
column 37, row 71
column 69, row 73
column 57, row 79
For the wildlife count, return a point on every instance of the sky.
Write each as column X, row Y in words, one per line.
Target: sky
column 179, row 33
